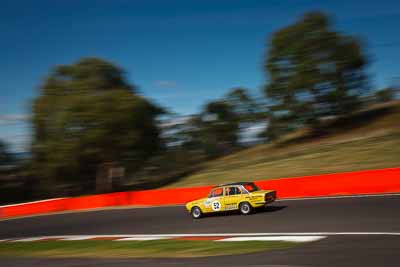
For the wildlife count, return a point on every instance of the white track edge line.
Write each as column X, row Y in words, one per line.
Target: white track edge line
column 212, row 235
column 291, row 238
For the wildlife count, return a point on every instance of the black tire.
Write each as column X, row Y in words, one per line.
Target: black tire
column 245, row 208
column 196, row 213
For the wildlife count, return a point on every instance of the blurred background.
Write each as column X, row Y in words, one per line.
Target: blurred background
column 112, row 96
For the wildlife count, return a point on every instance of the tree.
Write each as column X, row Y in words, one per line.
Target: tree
column 214, row 131
column 314, row 71
column 246, row 108
column 218, row 128
column 221, row 123
column 251, row 112
column 89, row 119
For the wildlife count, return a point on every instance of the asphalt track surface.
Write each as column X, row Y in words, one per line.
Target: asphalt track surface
column 366, row 214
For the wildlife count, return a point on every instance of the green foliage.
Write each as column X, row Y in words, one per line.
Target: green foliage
column 277, row 126
column 314, row 71
column 88, row 115
column 246, row 108
column 215, row 130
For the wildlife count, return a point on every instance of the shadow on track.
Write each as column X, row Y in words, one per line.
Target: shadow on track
column 272, row 208
column 237, row 213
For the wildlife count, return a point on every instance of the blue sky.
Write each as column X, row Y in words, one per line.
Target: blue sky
column 179, row 53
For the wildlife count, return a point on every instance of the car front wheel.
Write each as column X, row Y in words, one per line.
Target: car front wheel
column 245, row 208
column 196, row 212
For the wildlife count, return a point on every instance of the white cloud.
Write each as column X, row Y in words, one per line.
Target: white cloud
column 13, row 118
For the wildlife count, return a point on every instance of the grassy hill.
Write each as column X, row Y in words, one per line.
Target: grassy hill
column 369, row 139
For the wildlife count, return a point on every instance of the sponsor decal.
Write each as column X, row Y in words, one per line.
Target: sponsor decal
column 230, row 207
column 207, row 203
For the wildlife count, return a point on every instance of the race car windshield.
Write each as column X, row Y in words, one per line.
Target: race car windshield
column 218, row 192
column 251, row 187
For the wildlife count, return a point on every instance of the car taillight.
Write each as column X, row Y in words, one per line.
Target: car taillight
column 270, row 195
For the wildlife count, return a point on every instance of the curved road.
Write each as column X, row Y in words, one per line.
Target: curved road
column 359, row 214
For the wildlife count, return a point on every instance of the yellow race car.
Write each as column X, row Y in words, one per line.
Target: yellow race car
column 242, row 196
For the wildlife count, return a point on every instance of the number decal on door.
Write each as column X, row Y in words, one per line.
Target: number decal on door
column 216, row 206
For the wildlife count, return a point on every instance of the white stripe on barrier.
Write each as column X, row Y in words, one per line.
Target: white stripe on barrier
column 274, row 238
column 32, row 202
column 79, row 237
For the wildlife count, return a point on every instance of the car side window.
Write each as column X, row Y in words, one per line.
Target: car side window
column 233, row 190
column 218, row 192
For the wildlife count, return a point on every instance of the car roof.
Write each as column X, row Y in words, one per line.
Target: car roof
column 236, row 183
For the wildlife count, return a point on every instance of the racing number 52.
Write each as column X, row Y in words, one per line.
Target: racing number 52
column 216, row 205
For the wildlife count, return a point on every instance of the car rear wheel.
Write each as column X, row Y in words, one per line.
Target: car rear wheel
column 245, row 208
column 196, row 212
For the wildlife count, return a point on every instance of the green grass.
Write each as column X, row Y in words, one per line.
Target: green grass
column 136, row 249
column 366, row 140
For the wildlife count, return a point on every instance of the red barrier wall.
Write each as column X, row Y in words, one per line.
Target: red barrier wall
column 350, row 183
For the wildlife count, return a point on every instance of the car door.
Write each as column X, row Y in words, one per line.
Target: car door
column 214, row 202
column 232, row 197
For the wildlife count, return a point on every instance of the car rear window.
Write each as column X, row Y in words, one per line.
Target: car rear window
column 251, row 187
